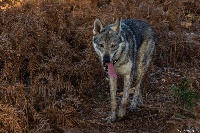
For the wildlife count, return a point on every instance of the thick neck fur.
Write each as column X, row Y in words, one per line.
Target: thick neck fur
column 129, row 47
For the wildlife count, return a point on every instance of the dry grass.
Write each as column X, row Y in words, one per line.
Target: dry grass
column 51, row 79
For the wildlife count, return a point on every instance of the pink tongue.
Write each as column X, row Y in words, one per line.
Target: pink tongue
column 111, row 70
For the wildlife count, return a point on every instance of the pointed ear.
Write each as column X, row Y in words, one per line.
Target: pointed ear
column 116, row 26
column 98, row 27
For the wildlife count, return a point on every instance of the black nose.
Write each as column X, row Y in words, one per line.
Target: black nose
column 106, row 59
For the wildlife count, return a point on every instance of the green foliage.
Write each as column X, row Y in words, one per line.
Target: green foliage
column 185, row 96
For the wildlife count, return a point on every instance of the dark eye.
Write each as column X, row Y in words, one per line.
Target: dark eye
column 100, row 45
column 113, row 46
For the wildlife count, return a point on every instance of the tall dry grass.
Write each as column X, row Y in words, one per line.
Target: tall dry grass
column 48, row 65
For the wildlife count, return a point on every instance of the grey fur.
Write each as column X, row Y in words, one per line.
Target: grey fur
column 130, row 43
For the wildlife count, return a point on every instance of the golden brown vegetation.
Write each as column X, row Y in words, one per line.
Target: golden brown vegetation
column 51, row 79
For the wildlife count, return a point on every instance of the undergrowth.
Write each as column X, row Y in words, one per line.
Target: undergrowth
column 185, row 109
column 185, row 96
column 48, row 67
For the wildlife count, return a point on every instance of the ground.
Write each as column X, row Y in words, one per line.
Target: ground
column 52, row 81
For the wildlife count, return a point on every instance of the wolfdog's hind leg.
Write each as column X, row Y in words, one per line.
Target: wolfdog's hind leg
column 143, row 60
column 137, row 97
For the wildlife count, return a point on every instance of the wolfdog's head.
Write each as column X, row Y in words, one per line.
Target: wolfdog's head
column 107, row 41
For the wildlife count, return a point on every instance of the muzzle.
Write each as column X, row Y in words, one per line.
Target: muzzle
column 106, row 59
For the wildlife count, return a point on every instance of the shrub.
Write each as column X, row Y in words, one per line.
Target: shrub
column 185, row 95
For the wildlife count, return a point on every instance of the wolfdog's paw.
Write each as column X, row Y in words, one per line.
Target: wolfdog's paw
column 132, row 108
column 140, row 102
column 133, row 105
column 110, row 119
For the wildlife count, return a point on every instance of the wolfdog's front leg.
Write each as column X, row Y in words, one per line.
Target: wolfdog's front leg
column 124, row 101
column 113, row 89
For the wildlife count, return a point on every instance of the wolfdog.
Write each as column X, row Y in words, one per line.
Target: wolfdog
column 124, row 48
